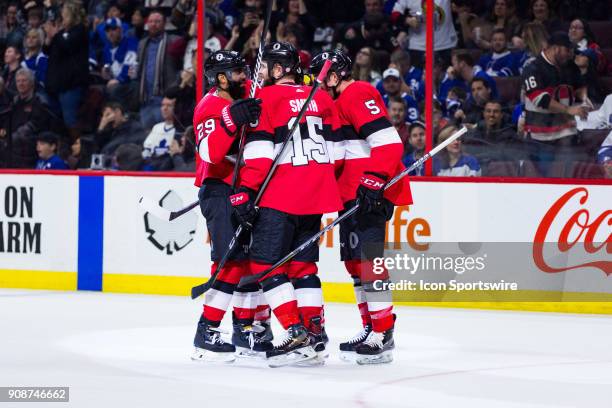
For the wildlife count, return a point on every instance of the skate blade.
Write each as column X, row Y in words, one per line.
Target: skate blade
column 296, row 356
column 382, row 358
column 207, row 356
column 319, row 360
column 248, row 354
column 348, row 356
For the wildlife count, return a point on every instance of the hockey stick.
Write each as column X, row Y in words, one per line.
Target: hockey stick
column 160, row 212
column 257, row 277
column 197, row 291
column 254, row 85
column 163, row 214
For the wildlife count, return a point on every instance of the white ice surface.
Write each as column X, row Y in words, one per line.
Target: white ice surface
column 133, row 351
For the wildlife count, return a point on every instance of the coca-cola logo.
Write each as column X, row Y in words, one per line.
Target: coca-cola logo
column 580, row 228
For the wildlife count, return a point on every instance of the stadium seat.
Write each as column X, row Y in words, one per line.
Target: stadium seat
column 509, row 89
column 587, row 170
column 603, row 32
column 558, row 169
column 502, row 169
column 527, row 168
column 591, row 140
column 606, row 84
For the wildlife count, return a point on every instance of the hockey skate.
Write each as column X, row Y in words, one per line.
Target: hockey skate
column 264, row 329
column 250, row 342
column 347, row 349
column 376, row 349
column 294, row 348
column 209, row 346
column 318, row 339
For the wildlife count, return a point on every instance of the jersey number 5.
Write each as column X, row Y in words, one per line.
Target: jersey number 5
column 371, row 105
column 312, row 147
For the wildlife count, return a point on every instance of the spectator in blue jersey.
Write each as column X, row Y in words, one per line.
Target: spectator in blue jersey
column 416, row 141
column 46, row 148
column 604, row 155
column 35, row 60
column 461, row 74
column 453, row 162
column 501, row 62
column 412, row 76
column 394, row 86
column 119, row 59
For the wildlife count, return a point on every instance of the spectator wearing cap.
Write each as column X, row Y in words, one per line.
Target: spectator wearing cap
column 501, row 62
column 116, row 128
column 35, row 59
column 46, row 149
column 581, row 35
column 118, row 57
column 68, row 72
column 411, row 75
column 552, row 84
column 453, row 161
column 394, row 86
column 587, row 60
column 157, row 69
column 461, row 73
column 12, row 62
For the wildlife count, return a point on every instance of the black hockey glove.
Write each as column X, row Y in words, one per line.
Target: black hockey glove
column 370, row 195
column 244, row 206
column 240, row 113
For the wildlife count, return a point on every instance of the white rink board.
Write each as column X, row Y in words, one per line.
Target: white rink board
column 55, row 207
column 453, row 212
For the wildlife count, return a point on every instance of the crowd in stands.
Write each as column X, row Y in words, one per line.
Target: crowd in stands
column 110, row 84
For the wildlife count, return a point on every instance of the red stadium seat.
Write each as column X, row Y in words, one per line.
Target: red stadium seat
column 509, row 89
column 603, row 32
column 528, row 169
column 502, row 169
column 587, row 170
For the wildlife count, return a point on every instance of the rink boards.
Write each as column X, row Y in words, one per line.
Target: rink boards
column 86, row 232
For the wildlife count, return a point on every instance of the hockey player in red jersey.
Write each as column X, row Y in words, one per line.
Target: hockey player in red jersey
column 372, row 156
column 302, row 188
column 216, row 121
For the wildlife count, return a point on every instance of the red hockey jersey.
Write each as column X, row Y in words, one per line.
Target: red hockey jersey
column 212, row 140
column 304, row 181
column 371, row 143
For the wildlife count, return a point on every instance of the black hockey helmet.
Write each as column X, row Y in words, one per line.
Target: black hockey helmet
column 224, row 62
column 284, row 54
column 341, row 63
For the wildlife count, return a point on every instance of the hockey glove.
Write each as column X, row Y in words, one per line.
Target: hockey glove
column 370, row 194
column 244, row 206
column 240, row 113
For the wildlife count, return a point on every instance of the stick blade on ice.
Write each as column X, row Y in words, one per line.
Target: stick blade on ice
column 152, row 207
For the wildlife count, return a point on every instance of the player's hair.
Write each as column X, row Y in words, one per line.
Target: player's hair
column 498, row 31
column 535, row 37
column 466, row 57
column 114, row 105
column 484, row 82
column 398, row 99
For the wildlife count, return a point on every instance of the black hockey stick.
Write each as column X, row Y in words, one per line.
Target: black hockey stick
column 197, row 291
column 254, row 85
column 262, row 275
